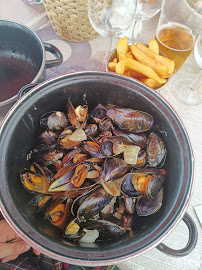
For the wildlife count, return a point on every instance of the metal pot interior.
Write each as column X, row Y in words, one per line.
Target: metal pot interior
column 21, row 127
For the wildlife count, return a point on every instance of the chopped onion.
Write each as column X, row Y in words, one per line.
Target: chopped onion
column 90, row 236
column 113, row 187
column 78, row 135
column 131, row 153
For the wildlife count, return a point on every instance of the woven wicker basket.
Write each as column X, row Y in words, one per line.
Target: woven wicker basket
column 69, row 19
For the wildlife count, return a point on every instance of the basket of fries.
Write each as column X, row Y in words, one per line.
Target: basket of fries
column 141, row 62
column 69, row 19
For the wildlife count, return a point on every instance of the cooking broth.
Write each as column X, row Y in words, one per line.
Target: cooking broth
column 15, row 72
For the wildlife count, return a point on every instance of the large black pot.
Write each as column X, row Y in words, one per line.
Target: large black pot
column 20, row 129
column 22, row 59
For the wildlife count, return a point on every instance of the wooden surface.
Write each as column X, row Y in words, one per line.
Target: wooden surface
column 77, row 58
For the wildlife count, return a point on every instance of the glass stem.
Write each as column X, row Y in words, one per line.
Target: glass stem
column 197, row 82
column 135, row 31
column 108, row 48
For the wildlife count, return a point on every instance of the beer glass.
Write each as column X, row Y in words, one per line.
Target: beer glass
column 189, row 91
column 176, row 31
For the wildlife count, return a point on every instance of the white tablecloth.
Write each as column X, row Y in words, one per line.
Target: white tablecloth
column 77, row 57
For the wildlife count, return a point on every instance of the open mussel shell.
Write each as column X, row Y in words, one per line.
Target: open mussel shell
column 113, row 146
column 42, row 170
column 143, row 182
column 72, row 231
column 146, row 207
column 59, row 211
column 34, row 182
column 127, row 187
column 42, row 202
column 45, row 154
column 55, row 120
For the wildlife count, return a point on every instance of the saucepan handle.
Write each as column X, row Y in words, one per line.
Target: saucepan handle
column 56, row 52
column 25, row 89
column 193, row 236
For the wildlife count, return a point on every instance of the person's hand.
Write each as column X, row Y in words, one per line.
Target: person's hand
column 11, row 245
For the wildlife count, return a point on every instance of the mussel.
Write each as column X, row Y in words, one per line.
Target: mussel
column 146, row 207
column 143, row 183
column 93, row 172
column 130, row 120
column 54, row 120
column 156, row 151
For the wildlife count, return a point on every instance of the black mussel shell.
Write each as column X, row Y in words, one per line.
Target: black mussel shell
column 93, row 204
column 55, row 120
column 127, row 187
column 99, row 112
column 146, row 207
column 155, row 184
column 107, row 230
column 156, row 151
column 42, row 202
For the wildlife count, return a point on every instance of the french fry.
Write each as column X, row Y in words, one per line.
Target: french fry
column 153, row 46
column 157, row 57
column 120, row 67
column 151, row 83
column 161, row 69
column 135, row 74
column 115, row 60
column 122, row 57
column 142, row 69
column 112, row 66
column 122, row 47
column 129, row 55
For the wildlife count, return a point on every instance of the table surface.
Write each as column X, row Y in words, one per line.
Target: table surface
column 77, row 58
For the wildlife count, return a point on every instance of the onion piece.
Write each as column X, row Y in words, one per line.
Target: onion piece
column 113, row 187
column 90, row 236
column 131, row 153
column 78, row 135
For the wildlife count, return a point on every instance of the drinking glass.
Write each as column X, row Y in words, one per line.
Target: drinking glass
column 110, row 18
column 189, row 91
column 32, row 2
column 146, row 9
column 176, row 31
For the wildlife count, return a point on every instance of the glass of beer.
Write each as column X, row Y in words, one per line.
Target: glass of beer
column 175, row 32
column 188, row 90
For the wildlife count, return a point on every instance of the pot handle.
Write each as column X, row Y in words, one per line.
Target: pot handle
column 56, row 52
column 193, row 236
column 26, row 88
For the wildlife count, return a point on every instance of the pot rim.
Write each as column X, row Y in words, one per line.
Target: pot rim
column 156, row 242
column 40, row 71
